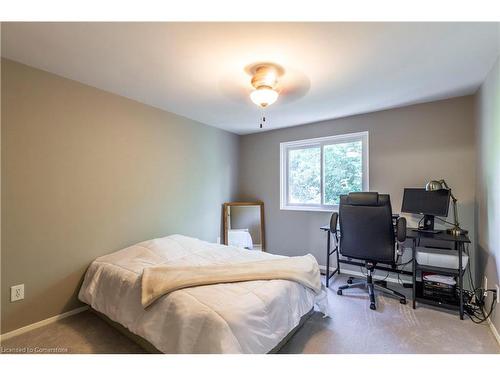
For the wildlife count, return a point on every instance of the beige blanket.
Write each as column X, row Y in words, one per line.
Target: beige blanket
column 160, row 280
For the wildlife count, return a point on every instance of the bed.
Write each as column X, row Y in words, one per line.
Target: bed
column 240, row 238
column 241, row 317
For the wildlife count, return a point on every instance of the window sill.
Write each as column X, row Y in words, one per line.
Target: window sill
column 310, row 209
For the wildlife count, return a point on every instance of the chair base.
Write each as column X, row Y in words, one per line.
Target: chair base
column 372, row 286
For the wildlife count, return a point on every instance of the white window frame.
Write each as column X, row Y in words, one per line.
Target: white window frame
column 285, row 148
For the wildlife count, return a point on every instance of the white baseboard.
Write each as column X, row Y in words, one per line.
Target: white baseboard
column 358, row 273
column 41, row 323
column 494, row 330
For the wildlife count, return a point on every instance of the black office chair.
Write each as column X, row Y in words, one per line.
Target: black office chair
column 367, row 233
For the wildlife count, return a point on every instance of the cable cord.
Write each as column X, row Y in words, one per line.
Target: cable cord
column 403, row 265
column 476, row 312
column 444, row 221
column 474, row 305
column 373, row 274
column 420, row 222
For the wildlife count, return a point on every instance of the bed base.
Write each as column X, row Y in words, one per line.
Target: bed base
column 282, row 343
column 150, row 348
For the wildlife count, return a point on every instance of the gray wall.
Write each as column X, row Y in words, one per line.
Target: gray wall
column 85, row 173
column 488, row 181
column 408, row 146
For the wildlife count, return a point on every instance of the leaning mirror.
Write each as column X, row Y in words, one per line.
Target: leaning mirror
column 244, row 225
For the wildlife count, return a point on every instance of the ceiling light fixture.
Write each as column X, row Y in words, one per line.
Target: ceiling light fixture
column 265, row 80
column 264, row 96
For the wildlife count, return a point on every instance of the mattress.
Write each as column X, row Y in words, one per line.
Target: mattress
column 243, row 317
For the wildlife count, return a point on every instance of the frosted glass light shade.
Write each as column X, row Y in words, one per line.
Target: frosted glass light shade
column 264, row 96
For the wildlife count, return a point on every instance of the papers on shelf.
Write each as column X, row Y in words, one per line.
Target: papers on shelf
column 448, row 280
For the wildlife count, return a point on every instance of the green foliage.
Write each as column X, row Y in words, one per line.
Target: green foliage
column 304, row 170
column 342, row 171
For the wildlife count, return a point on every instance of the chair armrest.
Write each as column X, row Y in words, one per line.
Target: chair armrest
column 333, row 222
column 401, row 229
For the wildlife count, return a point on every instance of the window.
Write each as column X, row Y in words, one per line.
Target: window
column 315, row 172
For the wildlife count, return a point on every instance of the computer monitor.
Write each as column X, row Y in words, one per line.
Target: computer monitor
column 427, row 203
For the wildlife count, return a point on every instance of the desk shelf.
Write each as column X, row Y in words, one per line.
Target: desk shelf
column 439, row 270
column 447, row 303
column 434, row 302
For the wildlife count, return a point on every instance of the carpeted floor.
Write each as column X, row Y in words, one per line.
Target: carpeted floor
column 352, row 328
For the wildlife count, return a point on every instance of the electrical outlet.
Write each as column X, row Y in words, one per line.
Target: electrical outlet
column 16, row 292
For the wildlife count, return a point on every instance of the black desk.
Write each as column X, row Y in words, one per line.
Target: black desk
column 459, row 243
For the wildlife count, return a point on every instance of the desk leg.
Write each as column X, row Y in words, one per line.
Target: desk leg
column 414, row 273
column 460, row 280
column 327, row 258
column 338, row 256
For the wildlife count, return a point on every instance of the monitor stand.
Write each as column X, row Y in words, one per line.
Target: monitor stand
column 428, row 225
column 428, row 222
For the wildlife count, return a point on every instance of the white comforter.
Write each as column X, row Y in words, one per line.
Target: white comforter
column 243, row 317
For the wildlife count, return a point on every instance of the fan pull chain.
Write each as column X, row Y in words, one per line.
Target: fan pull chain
column 263, row 119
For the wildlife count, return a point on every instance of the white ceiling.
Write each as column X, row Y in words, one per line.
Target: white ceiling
column 197, row 69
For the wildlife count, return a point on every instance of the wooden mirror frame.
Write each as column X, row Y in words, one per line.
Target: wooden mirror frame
column 226, row 213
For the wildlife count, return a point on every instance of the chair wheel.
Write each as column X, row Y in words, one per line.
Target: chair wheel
column 339, row 292
column 402, row 301
column 349, row 281
column 372, row 306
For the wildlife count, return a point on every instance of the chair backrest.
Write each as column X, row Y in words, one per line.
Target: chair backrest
column 366, row 228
